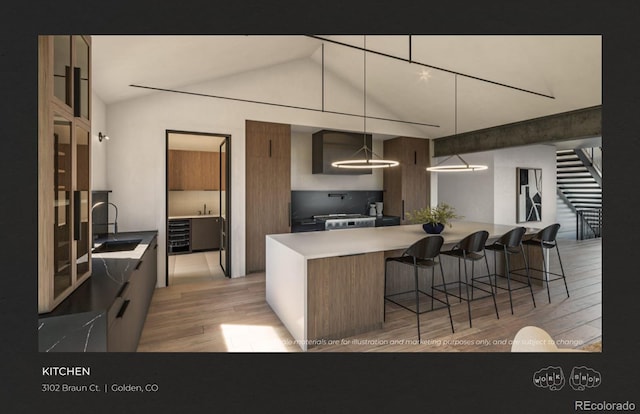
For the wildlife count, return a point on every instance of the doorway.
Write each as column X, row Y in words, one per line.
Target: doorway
column 197, row 207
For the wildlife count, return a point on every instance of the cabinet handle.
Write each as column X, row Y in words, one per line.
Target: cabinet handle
column 415, row 157
column 402, row 209
column 76, row 92
column 76, row 216
column 138, row 265
column 123, row 309
column 289, row 212
column 269, row 148
column 123, row 289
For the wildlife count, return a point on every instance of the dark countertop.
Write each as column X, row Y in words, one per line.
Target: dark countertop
column 108, row 274
column 79, row 323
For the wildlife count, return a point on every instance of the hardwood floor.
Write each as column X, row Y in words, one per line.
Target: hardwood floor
column 232, row 315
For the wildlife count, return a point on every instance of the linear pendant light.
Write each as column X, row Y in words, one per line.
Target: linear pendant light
column 371, row 159
column 465, row 166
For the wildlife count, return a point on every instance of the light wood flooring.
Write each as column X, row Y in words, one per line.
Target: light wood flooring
column 232, row 315
column 194, row 267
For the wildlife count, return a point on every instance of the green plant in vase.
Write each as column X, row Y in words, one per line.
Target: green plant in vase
column 433, row 219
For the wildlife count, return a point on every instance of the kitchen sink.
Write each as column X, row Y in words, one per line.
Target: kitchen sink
column 117, row 246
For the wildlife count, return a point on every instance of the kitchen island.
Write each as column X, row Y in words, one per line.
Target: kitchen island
column 329, row 285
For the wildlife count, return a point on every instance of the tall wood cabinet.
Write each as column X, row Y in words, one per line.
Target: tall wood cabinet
column 268, row 187
column 407, row 186
column 64, row 163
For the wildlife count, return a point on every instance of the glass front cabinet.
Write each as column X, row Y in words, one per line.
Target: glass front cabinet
column 64, row 165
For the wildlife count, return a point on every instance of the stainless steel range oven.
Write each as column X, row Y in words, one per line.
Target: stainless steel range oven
column 345, row 221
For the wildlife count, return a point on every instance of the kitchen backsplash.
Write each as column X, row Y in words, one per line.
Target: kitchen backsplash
column 186, row 203
column 305, row 204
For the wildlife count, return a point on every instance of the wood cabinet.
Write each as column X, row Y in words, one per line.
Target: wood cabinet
column 407, row 186
column 194, row 170
column 268, row 187
column 128, row 313
column 64, row 157
column 344, row 295
column 205, row 233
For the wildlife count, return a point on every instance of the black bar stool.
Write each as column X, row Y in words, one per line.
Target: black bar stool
column 509, row 244
column 424, row 253
column 546, row 240
column 471, row 249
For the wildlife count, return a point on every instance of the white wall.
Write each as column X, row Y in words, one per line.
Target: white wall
column 136, row 156
column 98, row 149
column 187, row 203
column 490, row 195
column 505, row 163
column 471, row 193
column 303, row 179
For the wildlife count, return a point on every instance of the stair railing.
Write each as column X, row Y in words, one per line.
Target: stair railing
column 588, row 224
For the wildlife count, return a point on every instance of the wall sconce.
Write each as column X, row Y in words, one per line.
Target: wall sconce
column 102, row 136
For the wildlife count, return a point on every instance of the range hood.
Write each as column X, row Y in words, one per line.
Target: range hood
column 329, row 146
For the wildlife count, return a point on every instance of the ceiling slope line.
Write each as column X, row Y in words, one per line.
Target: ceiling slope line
column 432, row 67
column 281, row 105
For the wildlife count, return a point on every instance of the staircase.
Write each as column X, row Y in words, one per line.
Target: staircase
column 579, row 186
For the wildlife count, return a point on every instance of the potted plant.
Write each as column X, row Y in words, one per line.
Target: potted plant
column 433, row 219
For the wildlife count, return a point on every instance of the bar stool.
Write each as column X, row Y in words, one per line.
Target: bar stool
column 509, row 244
column 546, row 240
column 470, row 249
column 424, row 253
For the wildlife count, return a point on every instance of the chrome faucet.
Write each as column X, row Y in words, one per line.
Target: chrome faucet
column 115, row 221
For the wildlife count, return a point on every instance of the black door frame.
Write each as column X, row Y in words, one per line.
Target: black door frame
column 227, row 140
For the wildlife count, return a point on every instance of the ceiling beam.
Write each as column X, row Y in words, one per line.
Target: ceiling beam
column 581, row 123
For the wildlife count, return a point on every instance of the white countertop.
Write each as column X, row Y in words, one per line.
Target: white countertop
column 194, row 216
column 318, row 244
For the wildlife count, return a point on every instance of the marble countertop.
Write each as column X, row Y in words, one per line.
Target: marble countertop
column 109, row 272
column 319, row 244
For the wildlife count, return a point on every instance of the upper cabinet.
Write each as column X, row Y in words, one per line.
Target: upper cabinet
column 406, row 187
column 64, row 165
column 195, row 170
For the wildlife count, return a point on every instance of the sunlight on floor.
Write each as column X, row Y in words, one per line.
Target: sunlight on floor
column 252, row 338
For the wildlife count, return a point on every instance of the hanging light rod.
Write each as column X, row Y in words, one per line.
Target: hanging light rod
column 465, row 166
column 280, row 105
column 368, row 161
column 429, row 66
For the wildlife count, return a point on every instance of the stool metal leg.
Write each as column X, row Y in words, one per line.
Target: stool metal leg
column 433, row 275
column 546, row 271
column 466, row 285
column 459, row 280
column 526, row 266
column 562, row 269
column 417, row 300
column 507, row 264
column 446, row 295
column 384, row 293
column 495, row 305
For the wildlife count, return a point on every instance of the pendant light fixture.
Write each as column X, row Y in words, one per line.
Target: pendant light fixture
column 371, row 159
column 465, row 166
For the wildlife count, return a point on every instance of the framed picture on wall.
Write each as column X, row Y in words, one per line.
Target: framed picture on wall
column 528, row 194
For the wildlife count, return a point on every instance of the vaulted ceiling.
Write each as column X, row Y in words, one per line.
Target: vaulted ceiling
column 500, row 79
